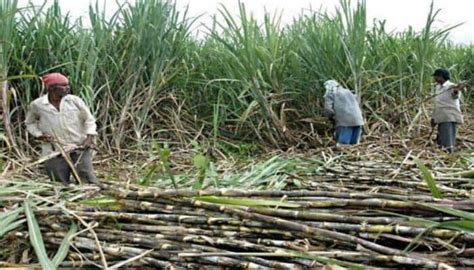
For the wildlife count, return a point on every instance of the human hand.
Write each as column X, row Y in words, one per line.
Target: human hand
column 89, row 142
column 459, row 87
column 45, row 138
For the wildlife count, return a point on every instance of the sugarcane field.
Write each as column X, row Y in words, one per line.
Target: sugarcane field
column 148, row 137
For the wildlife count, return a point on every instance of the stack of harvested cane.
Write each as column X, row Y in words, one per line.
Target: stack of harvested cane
column 128, row 226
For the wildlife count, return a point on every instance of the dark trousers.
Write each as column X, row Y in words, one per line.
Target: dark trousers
column 59, row 170
column 447, row 135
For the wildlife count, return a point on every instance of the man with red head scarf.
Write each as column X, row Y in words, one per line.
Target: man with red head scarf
column 61, row 120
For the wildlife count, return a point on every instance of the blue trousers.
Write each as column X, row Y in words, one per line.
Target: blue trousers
column 447, row 135
column 348, row 135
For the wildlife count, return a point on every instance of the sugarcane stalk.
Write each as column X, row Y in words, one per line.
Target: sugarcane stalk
column 408, row 184
column 156, row 193
column 158, row 219
column 43, row 159
column 321, row 216
column 161, row 242
column 347, row 226
column 246, row 212
column 158, row 241
column 219, row 231
column 114, row 250
column 379, row 203
column 393, row 229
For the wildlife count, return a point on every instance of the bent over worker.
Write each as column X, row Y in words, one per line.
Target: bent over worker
column 342, row 107
column 61, row 120
column 447, row 109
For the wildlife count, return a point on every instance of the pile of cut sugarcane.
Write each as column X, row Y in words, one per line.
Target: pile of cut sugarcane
column 352, row 213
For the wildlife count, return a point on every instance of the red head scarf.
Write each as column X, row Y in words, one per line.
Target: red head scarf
column 54, row 78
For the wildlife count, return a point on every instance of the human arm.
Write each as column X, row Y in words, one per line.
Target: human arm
column 89, row 141
column 329, row 104
column 88, row 123
column 86, row 117
column 32, row 121
column 457, row 88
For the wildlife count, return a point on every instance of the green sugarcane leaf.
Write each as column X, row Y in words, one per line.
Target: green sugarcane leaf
column 467, row 174
column 200, row 181
column 429, row 179
column 197, row 185
column 422, row 222
column 11, row 226
column 245, row 201
column 165, row 154
column 36, row 239
column 4, row 215
column 145, row 180
column 102, row 201
column 201, row 162
column 462, row 225
column 451, row 211
column 6, row 219
column 170, row 175
column 412, row 220
column 63, row 249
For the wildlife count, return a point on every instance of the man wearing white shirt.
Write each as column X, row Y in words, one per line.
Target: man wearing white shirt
column 447, row 109
column 61, row 120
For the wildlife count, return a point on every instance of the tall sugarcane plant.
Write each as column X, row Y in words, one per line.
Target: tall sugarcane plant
column 8, row 10
column 146, row 77
column 256, row 56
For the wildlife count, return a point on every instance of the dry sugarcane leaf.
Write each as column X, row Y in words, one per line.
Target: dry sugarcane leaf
column 25, row 256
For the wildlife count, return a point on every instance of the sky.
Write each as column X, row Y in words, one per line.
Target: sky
column 399, row 14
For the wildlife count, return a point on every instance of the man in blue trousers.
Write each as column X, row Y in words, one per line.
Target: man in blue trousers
column 341, row 105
